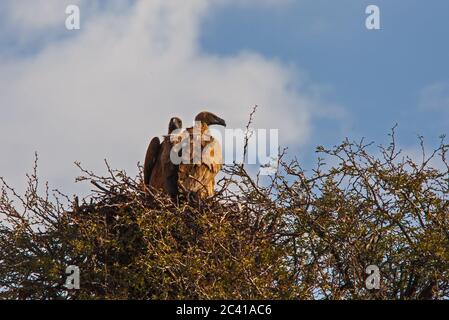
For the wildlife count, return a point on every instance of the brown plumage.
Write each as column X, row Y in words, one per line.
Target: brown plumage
column 150, row 159
column 159, row 172
column 197, row 176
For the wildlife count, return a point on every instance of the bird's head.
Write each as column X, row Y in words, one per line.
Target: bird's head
column 210, row 119
column 174, row 124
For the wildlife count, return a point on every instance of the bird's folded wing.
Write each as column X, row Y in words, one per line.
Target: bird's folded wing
column 151, row 158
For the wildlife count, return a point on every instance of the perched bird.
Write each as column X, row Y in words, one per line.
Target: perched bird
column 196, row 174
column 159, row 172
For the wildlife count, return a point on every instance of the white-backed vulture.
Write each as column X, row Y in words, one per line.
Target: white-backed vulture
column 197, row 176
column 159, row 172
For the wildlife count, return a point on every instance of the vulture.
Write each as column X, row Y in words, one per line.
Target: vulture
column 159, row 172
column 197, row 176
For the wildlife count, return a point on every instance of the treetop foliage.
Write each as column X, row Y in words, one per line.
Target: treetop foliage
column 301, row 235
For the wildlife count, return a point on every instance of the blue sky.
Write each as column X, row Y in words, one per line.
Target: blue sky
column 376, row 75
column 317, row 73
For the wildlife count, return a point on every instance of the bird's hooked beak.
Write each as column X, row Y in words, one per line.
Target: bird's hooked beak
column 219, row 121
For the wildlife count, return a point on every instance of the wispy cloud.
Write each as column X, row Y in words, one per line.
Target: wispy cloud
column 435, row 97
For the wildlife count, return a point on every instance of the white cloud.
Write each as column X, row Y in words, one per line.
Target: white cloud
column 36, row 14
column 104, row 91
